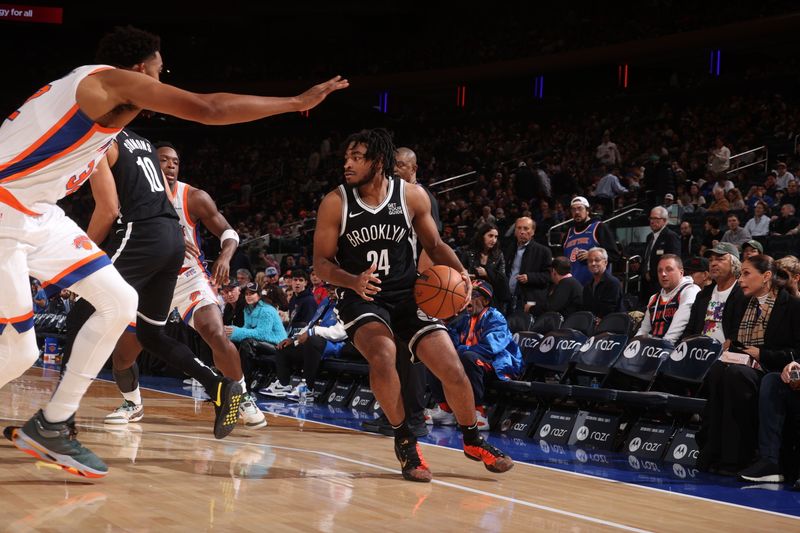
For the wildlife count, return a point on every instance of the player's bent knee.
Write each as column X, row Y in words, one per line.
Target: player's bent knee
column 18, row 352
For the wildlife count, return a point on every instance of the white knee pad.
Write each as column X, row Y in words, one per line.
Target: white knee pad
column 18, row 352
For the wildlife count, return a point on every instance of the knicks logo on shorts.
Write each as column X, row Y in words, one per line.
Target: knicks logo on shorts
column 194, row 296
column 82, row 242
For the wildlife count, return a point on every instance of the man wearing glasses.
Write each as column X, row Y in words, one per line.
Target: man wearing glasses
column 660, row 242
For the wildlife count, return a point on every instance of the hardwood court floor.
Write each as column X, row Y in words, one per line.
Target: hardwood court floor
column 168, row 473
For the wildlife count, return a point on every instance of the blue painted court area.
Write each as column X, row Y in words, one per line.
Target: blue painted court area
column 618, row 467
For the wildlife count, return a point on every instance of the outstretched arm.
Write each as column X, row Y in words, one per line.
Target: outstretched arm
column 105, row 91
column 326, row 237
column 203, row 209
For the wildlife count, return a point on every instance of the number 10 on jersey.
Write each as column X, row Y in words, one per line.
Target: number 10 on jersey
column 381, row 259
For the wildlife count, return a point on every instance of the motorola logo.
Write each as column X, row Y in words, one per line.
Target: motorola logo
column 680, row 352
column 547, row 344
column 332, row 397
column 581, row 455
column 583, row 433
column 355, row 401
column 545, row 430
column 635, row 444
column 680, row 451
column 632, row 349
column 587, row 345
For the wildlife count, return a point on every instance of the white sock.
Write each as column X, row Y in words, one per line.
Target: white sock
column 115, row 303
column 133, row 396
column 243, row 384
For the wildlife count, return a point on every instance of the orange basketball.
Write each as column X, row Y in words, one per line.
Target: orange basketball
column 440, row 291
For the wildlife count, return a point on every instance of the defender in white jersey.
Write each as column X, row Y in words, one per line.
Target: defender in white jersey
column 48, row 148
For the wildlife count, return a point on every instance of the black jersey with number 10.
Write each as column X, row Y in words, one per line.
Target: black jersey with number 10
column 381, row 236
column 140, row 184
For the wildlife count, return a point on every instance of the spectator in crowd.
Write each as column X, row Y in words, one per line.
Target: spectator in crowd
column 260, row 332
column 751, row 248
column 319, row 290
column 758, row 193
column 694, row 202
column 721, row 183
column 719, row 158
column 711, row 234
column 758, row 226
column 785, row 223
column 736, row 234
column 261, row 279
column 484, row 261
column 288, row 262
column 770, row 186
column 783, row 177
column 674, row 210
column 720, row 203
column 302, row 304
column 39, row 296
column 584, row 235
column 778, row 405
column 668, row 310
column 690, row 245
column 661, row 241
column 697, row 269
column 324, row 336
column 486, row 349
column 791, row 266
column 609, row 188
column 607, row 151
column 792, row 195
column 565, row 295
column 61, row 303
column 527, row 264
column 603, row 294
column 769, row 333
column 735, row 200
column 243, row 277
column 718, row 307
column 273, row 276
column 233, row 296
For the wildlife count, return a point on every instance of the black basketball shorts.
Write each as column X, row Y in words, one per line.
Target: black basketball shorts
column 401, row 315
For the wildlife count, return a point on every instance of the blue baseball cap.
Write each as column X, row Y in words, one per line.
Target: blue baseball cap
column 484, row 288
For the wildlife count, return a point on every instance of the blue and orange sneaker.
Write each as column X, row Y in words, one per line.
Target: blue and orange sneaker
column 56, row 443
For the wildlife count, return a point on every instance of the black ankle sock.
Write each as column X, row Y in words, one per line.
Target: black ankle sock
column 402, row 431
column 471, row 434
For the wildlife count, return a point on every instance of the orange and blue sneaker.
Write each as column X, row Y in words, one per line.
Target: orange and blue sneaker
column 412, row 464
column 493, row 459
column 56, row 443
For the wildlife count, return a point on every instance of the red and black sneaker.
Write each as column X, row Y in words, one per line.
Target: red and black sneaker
column 412, row 463
column 493, row 459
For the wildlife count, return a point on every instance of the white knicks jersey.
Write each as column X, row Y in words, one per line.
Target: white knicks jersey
column 180, row 201
column 49, row 147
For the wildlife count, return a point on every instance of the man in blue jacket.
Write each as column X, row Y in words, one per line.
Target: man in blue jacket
column 486, row 349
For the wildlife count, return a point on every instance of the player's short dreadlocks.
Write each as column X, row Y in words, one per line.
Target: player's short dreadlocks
column 127, row 46
column 380, row 147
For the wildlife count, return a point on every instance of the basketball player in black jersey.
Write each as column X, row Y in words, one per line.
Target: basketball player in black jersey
column 146, row 245
column 362, row 244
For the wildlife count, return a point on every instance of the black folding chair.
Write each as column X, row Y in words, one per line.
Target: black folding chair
column 620, row 323
column 547, row 322
column 582, row 321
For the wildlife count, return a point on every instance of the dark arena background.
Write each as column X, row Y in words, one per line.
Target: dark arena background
column 667, row 118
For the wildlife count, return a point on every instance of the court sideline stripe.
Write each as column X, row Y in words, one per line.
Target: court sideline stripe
column 545, row 467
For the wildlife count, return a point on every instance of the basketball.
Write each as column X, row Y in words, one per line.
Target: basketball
column 440, row 291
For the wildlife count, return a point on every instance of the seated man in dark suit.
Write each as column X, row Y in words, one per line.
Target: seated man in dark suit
column 566, row 293
column 603, row 294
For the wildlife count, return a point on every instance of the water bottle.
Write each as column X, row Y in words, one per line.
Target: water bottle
column 594, row 383
column 302, row 391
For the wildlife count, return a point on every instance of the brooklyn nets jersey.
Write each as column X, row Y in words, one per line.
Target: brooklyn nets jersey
column 380, row 236
column 140, row 184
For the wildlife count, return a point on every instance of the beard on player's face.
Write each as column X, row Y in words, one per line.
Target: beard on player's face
column 370, row 175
